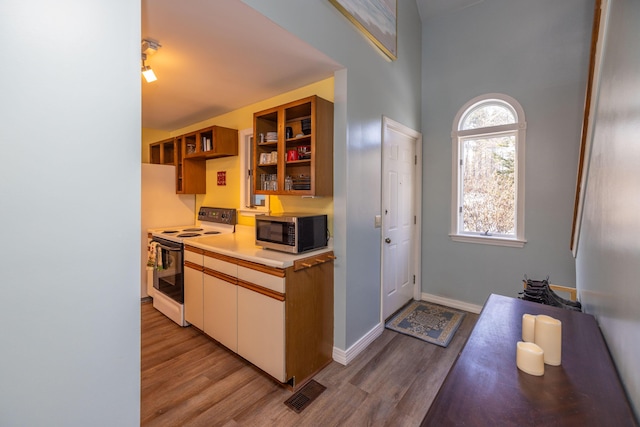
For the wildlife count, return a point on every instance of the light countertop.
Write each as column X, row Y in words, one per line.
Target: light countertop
column 241, row 244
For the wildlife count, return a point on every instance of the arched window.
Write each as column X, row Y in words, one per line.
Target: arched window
column 488, row 172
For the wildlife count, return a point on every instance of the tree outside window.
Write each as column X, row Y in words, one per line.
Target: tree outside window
column 488, row 193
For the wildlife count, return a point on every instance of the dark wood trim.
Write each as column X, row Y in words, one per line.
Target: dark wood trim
column 193, row 249
column 221, row 257
column 278, row 272
column 218, row 275
column 193, row 266
column 264, row 291
column 585, row 121
column 313, row 261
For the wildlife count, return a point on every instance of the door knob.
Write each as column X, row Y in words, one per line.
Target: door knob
column 388, row 240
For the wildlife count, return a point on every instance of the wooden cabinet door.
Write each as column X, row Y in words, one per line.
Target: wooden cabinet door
column 261, row 330
column 193, row 294
column 221, row 310
column 304, row 128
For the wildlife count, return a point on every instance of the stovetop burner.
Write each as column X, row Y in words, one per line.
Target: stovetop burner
column 211, row 221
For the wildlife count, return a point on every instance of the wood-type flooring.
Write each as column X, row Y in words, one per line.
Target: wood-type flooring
column 188, row 379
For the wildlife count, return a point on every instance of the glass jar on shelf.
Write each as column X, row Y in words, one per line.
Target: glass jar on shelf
column 269, row 182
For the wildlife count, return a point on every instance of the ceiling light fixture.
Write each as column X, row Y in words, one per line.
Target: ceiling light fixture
column 149, row 47
column 147, row 72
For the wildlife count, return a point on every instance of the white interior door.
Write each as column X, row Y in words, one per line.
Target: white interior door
column 399, row 215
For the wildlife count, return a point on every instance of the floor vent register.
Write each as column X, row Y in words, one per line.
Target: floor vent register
column 303, row 397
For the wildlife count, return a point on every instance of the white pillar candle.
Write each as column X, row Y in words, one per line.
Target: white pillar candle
column 528, row 327
column 548, row 335
column 530, row 358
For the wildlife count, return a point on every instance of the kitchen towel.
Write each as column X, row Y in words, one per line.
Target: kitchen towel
column 155, row 256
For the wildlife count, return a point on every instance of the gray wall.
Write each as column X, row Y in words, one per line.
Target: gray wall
column 70, row 213
column 608, row 261
column 537, row 52
column 366, row 89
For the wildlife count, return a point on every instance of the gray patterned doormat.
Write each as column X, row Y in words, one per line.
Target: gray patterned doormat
column 429, row 322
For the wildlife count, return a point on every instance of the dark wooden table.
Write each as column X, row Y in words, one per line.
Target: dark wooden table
column 485, row 387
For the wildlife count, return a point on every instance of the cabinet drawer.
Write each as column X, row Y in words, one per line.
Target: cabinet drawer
column 265, row 280
column 225, row 267
column 193, row 257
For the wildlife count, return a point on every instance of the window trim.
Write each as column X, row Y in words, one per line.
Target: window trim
column 456, row 137
column 244, row 140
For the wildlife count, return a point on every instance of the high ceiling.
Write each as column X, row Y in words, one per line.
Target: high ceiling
column 218, row 56
column 221, row 55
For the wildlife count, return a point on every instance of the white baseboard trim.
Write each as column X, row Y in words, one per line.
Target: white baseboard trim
column 461, row 305
column 345, row 357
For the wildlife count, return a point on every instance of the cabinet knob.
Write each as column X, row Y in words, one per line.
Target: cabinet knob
column 388, row 240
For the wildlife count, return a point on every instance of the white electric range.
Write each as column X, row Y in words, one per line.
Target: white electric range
column 167, row 244
column 210, row 221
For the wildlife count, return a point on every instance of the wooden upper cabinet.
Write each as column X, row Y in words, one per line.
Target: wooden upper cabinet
column 163, row 152
column 189, row 153
column 293, row 148
column 211, row 142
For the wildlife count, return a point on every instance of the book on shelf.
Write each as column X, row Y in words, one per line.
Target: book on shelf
column 206, row 144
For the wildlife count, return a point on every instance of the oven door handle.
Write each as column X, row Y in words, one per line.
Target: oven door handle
column 167, row 248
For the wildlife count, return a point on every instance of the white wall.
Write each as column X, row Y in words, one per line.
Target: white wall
column 608, row 260
column 70, row 186
column 367, row 89
column 536, row 52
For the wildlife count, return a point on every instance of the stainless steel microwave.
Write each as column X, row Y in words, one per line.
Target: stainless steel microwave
column 293, row 233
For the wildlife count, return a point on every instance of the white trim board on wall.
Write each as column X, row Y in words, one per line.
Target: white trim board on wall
column 344, row 357
column 460, row 305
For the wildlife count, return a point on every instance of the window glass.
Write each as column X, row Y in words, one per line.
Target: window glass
column 488, row 188
column 488, row 185
column 486, row 115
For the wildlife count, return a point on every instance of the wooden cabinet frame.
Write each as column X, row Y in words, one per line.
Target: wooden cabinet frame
column 163, row 152
column 312, row 175
column 189, row 153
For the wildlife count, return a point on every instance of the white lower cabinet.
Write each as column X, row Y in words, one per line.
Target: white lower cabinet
column 281, row 320
column 261, row 332
column 221, row 310
column 193, row 294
